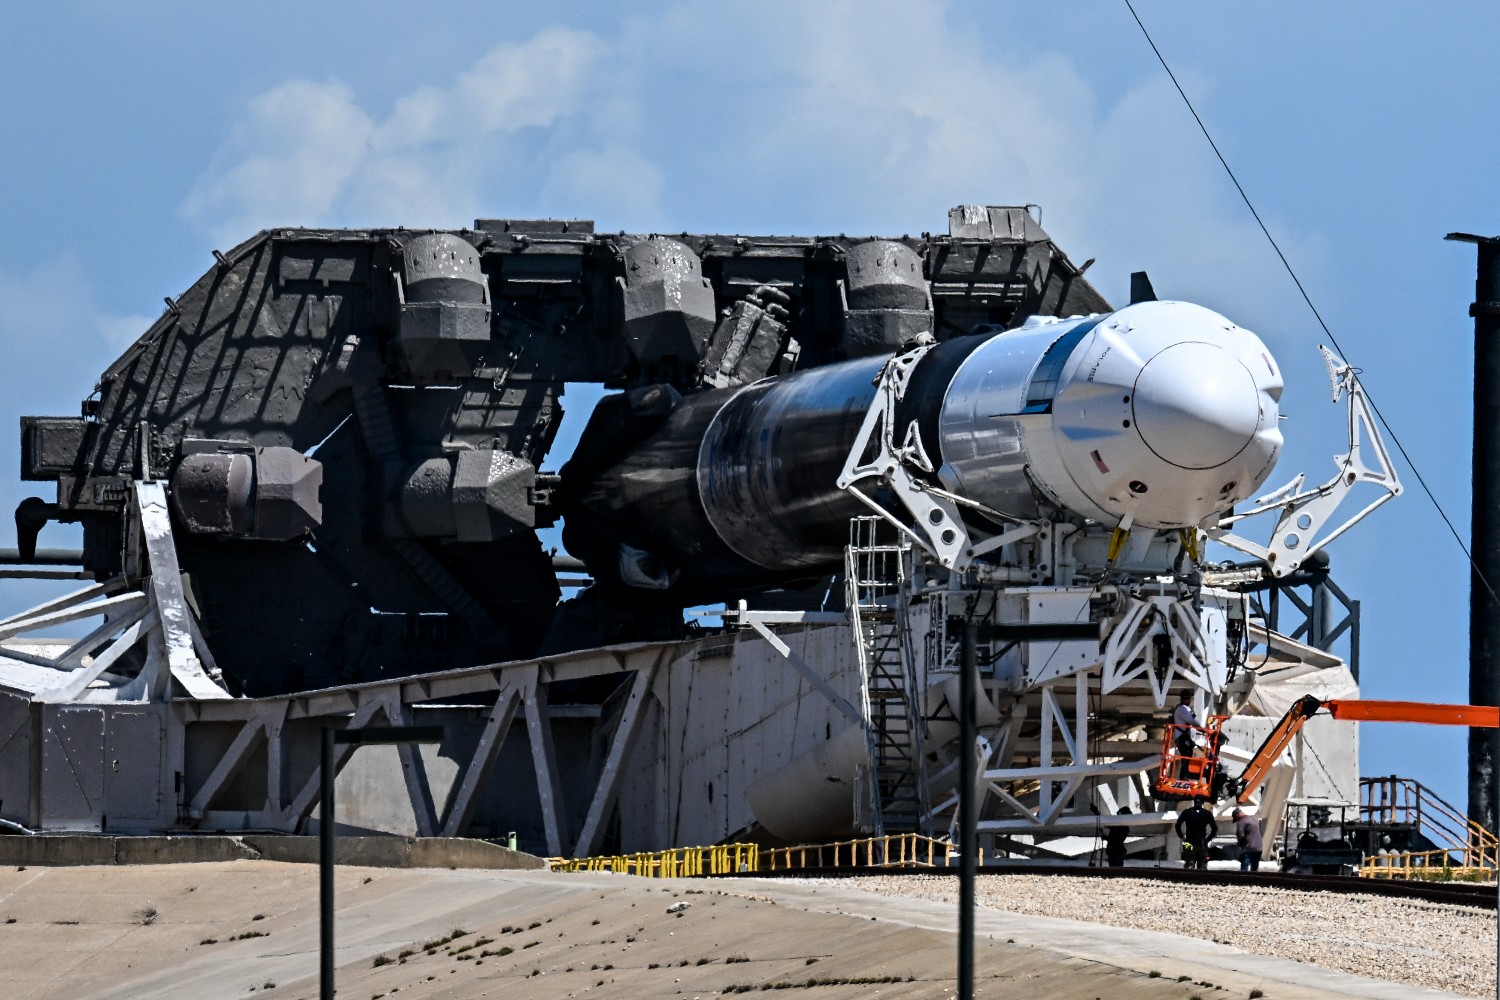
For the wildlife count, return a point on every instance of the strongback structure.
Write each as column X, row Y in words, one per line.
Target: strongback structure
column 310, row 497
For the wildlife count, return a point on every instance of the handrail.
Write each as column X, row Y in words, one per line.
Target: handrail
column 681, row 862
column 896, row 850
column 1406, row 801
column 1434, row 866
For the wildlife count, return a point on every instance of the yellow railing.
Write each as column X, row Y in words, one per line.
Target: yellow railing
column 1429, row 866
column 682, row 862
column 904, row 850
column 1405, row 801
column 907, row 850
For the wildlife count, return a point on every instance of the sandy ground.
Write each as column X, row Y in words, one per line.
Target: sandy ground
column 250, row 929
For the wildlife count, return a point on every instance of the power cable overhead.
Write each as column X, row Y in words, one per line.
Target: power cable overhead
column 1395, row 438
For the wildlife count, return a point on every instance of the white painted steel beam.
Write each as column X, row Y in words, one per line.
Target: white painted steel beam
column 73, row 656
column 247, row 739
column 1085, row 824
column 544, row 759
column 1114, row 769
column 414, row 772
column 115, row 605
column 81, row 596
column 477, row 772
column 606, row 792
column 171, row 603
column 811, row 675
column 302, row 804
column 79, row 680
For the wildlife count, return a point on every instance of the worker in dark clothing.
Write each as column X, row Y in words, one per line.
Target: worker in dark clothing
column 1248, row 835
column 1195, row 828
column 1114, row 843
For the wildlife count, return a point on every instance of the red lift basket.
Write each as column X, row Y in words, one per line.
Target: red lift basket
column 1182, row 776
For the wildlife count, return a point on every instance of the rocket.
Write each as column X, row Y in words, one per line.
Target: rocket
column 1160, row 415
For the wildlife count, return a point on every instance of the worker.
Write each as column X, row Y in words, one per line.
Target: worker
column 1184, row 717
column 1247, row 834
column 1114, row 843
column 1185, row 721
column 1195, row 828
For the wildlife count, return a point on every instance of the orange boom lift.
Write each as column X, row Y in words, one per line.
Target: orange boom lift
column 1183, row 776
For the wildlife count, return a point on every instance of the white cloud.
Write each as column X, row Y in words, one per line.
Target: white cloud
column 307, row 153
column 614, row 182
column 286, row 164
column 873, row 117
column 61, row 338
column 510, row 88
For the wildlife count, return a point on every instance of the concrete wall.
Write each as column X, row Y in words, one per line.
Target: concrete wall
column 374, row 852
column 722, row 722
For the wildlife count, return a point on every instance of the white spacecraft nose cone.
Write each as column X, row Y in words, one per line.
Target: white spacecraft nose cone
column 1195, row 405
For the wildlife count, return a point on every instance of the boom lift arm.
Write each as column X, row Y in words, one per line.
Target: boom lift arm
column 1474, row 716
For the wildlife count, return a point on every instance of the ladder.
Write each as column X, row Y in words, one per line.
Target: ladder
column 878, row 590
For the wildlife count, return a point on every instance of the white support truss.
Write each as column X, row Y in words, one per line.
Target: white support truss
column 1135, row 649
column 937, row 526
column 146, row 647
column 1303, row 513
column 268, row 726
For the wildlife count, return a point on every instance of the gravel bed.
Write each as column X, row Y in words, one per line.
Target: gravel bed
column 1435, row 945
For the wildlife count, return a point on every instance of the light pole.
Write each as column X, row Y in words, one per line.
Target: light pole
column 968, row 691
column 375, row 736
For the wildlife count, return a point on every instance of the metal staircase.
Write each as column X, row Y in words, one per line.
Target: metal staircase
column 1416, row 820
column 876, row 574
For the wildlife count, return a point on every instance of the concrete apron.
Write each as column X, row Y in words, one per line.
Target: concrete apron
column 1171, row 955
column 594, row 934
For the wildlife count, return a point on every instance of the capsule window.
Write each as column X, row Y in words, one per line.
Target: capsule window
column 1043, row 387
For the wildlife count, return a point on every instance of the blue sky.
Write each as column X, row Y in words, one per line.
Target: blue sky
column 139, row 137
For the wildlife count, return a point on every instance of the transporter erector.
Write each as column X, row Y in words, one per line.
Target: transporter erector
column 324, row 469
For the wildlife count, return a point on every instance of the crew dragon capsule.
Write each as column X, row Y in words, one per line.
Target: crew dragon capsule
column 1160, row 415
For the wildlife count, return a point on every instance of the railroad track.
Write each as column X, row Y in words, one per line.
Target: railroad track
column 1455, row 893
